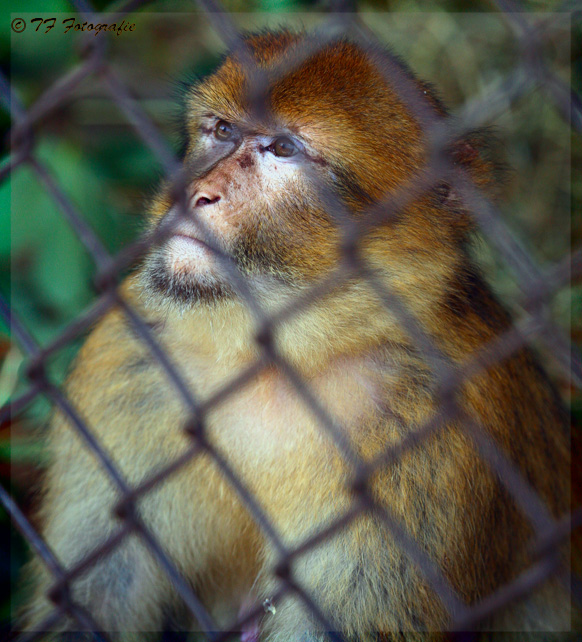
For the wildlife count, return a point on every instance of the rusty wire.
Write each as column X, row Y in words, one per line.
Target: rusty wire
column 536, row 284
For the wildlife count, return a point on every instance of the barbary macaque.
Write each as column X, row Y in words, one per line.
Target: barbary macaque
column 277, row 188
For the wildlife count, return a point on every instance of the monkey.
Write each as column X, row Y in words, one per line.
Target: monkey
column 269, row 194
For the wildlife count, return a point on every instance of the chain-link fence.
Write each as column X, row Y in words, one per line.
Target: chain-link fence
column 537, row 284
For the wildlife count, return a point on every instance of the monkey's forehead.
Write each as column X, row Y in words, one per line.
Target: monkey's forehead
column 338, row 99
column 302, row 86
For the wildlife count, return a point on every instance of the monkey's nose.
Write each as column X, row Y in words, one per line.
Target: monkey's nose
column 203, row 200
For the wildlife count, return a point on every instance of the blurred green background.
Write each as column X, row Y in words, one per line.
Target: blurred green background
column 464, row 48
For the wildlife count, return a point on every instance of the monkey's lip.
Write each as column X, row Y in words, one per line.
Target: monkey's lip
column 190, row 233
column 192, row 239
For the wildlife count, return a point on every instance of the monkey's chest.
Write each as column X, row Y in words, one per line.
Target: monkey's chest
column 271, row 418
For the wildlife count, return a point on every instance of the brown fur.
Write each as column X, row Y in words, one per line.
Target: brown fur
column 355, row 355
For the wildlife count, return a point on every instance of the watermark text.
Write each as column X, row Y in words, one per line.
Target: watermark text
column 44, row 25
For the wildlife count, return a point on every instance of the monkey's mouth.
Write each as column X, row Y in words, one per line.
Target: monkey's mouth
column 188, row 236
column 195, row 241
column 185, row 251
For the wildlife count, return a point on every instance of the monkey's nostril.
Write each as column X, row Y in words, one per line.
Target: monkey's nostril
column 204, row 200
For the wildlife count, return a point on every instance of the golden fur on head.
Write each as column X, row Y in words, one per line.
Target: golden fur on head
column 362, row 144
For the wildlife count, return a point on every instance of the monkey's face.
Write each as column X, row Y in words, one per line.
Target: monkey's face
column 266, row 188
column 254, row 207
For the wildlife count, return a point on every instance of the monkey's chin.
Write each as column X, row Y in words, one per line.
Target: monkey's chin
column 185, row 272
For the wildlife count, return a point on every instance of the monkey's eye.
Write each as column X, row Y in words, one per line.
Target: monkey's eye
column 284, row 146
column 224, row 130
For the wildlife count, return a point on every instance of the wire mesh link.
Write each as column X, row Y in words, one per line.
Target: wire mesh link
column 536, row 284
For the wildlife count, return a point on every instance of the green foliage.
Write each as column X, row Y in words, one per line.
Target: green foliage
column 48, row 260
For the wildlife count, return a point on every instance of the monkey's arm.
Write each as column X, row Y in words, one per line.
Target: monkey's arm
column 128, row 404
column 446, row 498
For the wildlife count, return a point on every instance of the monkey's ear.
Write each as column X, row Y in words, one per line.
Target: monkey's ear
column 479, row 155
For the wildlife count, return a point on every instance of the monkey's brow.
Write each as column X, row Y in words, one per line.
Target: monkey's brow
column 249, row 127
column 246, row 124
